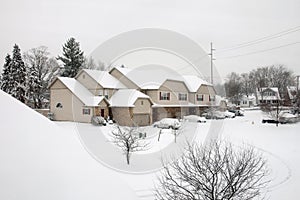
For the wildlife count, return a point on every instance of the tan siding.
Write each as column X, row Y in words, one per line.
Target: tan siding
column 123, row 79
column 88, row 82
column 58, row 85
column 122, row 116
column 206, row 91
column 174, row 87
column 72, row 106
column 139, row 108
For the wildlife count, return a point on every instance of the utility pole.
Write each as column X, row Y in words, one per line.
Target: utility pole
column 211, row 63
column 297, row 83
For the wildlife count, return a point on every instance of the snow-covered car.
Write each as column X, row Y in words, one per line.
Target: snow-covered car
column 97, row 120
column 284, row 117
column 168, row 123
column 194, row 118
column 287, row 117
column 214, row 115
column 229, row 114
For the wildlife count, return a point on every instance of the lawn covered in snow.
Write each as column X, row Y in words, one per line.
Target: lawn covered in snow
column 41, row 159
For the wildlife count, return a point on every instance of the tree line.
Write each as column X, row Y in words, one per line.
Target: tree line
column 26, row 77
column 237, row 85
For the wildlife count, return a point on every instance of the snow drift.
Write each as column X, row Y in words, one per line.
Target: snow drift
column 40, row 160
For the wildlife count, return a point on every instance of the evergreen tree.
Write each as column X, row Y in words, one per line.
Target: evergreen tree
column 72, row 58
column 18, row 75
column 6, row 80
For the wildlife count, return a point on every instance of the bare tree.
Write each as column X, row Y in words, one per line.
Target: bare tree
column 41, row 70
column 129, row 139
column 214, row 172
column 89, row 63
column 272, row 111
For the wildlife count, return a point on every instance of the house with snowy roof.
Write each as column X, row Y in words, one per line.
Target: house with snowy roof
column 172, row 94
column 268, row 95
column 129, row 96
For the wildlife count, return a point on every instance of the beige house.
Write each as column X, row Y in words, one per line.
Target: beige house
column 71, row 101
column 129, row 96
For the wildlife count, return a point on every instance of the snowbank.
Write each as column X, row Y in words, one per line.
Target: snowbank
column 40, row 160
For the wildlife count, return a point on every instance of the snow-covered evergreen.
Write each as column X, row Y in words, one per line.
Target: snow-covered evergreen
column 18, row 74
column 72, row 58
column 6, row 81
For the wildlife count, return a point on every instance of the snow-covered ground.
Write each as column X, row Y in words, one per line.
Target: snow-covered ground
column 41, row 159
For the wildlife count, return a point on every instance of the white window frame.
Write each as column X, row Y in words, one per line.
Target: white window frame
column 181, row 95
column 164, row 96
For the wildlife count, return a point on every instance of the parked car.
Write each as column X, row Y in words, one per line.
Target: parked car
column 284, row 117
column 194, row 118
column 237, row 112
column 214, row 115
column 97, row 120
column 229, row 114
column 287, row 117
column 168, row 123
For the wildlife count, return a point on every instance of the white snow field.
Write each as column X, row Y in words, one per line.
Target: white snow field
column 41, row 159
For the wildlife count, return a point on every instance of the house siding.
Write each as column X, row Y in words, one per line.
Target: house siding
column 206, row 91
column 174, row 87
column 88, row 82
column 71, row 106
column 123, row 79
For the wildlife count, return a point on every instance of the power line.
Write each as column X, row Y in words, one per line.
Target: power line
column 261, row 51
column 260, row 40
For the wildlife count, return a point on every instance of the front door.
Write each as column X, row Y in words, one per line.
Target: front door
column 102, row 112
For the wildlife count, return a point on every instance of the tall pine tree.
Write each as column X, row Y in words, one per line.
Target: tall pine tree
column 72, row 58
column 18, row 75
column 6, row 82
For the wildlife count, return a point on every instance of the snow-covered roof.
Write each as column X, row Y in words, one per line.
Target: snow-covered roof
column 104, row 79
column 81, row 92
column 194, row 82
column 149, row 76
column 126, row 98
column 266, row 96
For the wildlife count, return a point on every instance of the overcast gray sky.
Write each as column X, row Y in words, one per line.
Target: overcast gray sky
column 227, row 23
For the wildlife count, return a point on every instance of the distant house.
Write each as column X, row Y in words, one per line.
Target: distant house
column 268, row 95
column 130, row 97
column 247, row 101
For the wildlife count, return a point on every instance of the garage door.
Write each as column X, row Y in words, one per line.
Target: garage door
column 141, row 119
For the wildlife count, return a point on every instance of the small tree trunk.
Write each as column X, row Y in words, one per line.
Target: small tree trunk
column 127, row 158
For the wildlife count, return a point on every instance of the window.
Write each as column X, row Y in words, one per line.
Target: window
column 200, row 97
column 142, row 102
column 164, row 96
column 182, row 96
column 100, row 93
column 86, row 111
column 83, row 76
column 59, row 105
column 211, row 98
column 106, row 93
